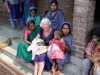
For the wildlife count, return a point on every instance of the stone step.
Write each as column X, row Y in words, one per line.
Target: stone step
column 73, row 68
column 4, row 58
column 6, row 69
column 12, row 54
column 24, row 68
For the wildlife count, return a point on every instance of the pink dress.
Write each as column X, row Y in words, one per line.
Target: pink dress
column 56, row 49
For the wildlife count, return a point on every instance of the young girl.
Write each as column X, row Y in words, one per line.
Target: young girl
column 87, row 61
column 96, row 59
column 38, row 54
column 56, row 53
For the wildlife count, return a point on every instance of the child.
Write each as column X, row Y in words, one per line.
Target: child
column 38, row 54
column 56, row 53
column 96, row 59
column 87, row 61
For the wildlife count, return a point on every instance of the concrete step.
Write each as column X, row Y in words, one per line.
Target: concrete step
column 6, row 69
column 9, row 54
column 10, row 62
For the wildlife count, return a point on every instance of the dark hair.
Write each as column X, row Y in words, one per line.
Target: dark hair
column 95, row 31
column 29, row 22
column 33, row 9
column 69, row 26
column 54, row 1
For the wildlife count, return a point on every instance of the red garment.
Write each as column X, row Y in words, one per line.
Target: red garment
column 27, row 33
column 56, row 49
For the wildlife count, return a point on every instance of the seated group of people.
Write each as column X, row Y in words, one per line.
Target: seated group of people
column 52, row 30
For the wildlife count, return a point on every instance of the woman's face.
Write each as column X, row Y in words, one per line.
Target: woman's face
column 31, row 27
column 46, row 27
column 65, row 29
column 33, row 13
column 53, row 7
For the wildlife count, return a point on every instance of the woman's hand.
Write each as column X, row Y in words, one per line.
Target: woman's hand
column 64, row 45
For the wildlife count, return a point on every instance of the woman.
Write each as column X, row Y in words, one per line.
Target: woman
column 30, row 34
column 15, row 13
column 33, row 16
column 46, row 34
column 26, row 8
column 55, row 15
column 67, row 37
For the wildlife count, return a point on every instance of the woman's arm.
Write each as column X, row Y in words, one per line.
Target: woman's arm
column 64, row 45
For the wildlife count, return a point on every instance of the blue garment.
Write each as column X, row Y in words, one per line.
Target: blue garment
column 57, row 19
column 33, row 3
column 86, row 65
column 26, row 10
column 12, row 1
column 48, row 64
column 68, row 41
column 15, row 13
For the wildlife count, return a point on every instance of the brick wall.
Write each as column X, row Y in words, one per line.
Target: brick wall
column 82, row 23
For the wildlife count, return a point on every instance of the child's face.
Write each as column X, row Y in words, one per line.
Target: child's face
column 31, row 27
column 33, row 13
